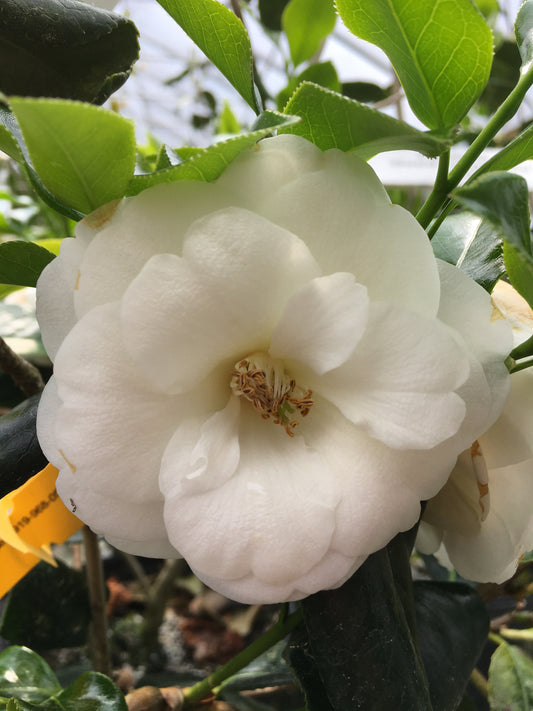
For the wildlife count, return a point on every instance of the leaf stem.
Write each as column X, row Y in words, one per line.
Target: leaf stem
column 276, row 633
column 480, row 682
column 522, row 366
column 505, row 112
column 523, row 349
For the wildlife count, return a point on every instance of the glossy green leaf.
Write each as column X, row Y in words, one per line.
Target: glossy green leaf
column 502, row 199
column 441, row 51
column 322, row 73
column 307, row 23
column 302, row 660
column 24, row 675
column 270, row 669
column 56, row 626
column 517, row 151
column 22, row 262
column 83, row 154
column 92, row 692
column 453, row 624
column 21, row 456
column 207, row 164
column 10, row 136
column 524, row 33
column 468, row 242
column 331, row 120
column 221, row 36
column 64, row 49
column 510, row 679
column 519, row 266
column 361, row 637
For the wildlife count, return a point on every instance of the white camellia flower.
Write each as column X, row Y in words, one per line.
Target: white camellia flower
column 265, row 374
column 484, row 514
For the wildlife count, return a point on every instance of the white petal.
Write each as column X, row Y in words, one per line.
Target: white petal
column 399, row 383
column 219, row 301
column 428, row 538
column 468, row 309
column 274, row 517
column 153, row 222
column 111, row 426
column 158, row 548
column 346, row 219
column 55, row 291
column 322, row 322
column 493, row 553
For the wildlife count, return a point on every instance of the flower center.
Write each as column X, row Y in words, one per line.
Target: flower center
column 263, row 382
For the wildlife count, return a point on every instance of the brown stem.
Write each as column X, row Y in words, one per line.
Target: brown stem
column 25, row 375
column 99, row 646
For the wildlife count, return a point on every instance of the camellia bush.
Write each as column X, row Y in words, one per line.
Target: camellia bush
column 264, row 366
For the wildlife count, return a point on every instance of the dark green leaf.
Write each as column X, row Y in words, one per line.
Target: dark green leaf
column 441, row 51
column 307, row 23
column 207, row 164
column 504, row 75
column 83, row 154
column 503, row 200
column 22, row 262
column 323, row 73
column 50, row 625
column 452, row 630
column 63, row 48
column 524, row 33
column 365, row 91
column 270, row 669
column 25, row 675
column 221, row 36
column 303, row 663
column 20, row 453
column 331, row 120
column 361, row 639
column 510, row 679
column 270, row 12
column 92, row 692
column 468, row 242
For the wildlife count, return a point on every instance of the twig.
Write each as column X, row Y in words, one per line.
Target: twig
column 159, row 594
column 480, row 682
column 95, row 579
column 25, row 375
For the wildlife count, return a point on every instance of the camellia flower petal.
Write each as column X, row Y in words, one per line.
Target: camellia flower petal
column 483, row 514
column 265, row 374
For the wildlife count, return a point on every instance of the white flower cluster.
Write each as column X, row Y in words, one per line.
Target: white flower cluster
column 265, row 374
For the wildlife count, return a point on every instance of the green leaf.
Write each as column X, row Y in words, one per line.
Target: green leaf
column 22, row 262
column 307, row 23
column 517, row 151
column 21, row 456
column 207, row 164
column 471, row 244
column 83, row 154
column 227, row 121
column 331, row 120
column 361, row 637
column 25, row 675
column 519, row 266
column 53, row 625
column 64, row 49
column 222, row 37
column 524, row 33
column 441, row 51
column 323, row 73
column 502, row 199
column 510, row 679
column 504, row 75
column 270, row 12
column 301, row 658
column 92, row 692
column 269, row 669
column 453, row 624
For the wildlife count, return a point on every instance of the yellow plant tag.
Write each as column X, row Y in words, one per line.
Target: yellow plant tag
column 32, row 517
